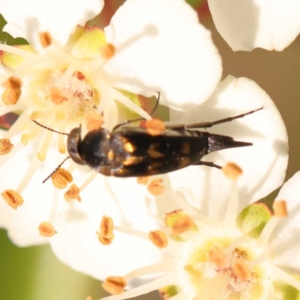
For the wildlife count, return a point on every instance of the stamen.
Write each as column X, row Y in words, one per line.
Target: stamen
column 114, row 285
column 280, row 209
column 217, row 256
column 26, row 137
column 268, row 230
column 182, row 224
column 12, row 198
column 13, row 83
column 5, row 146
column 61, row 178
column 106, row 235
column 54, row 207
column 241, row 269
column 236, row 244
column 72, row 193
column 232, row 207
column 28, row 175
column 281, row 275
column 94, row 121
column 107, row 51
column 91, row 177
column 133, row 232
column 46, row 229
column 57, row 96
column 155, row 127
column 11, row 96
column 142, row 180
column 41, row 155
column 45, row 39
column 158, row 238
column 164, row 266
column 67, row 75
column 60, row 137
column 17, row 51
column 144, row 289
column 232, row 171
column 156, row 187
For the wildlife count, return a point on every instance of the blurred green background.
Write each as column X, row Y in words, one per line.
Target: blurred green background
column 34, row 273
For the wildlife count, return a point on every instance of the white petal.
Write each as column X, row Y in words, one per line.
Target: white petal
column 76, row 243
column 285, row 241
column 22, row 224
column 247, row 24
column 59, row 17
column 264, row 164
column 162, row 47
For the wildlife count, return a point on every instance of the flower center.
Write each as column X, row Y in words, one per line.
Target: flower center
column 55, row 90
column 216, row 271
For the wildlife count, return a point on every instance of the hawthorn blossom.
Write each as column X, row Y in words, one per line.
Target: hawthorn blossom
column 248, row 24
column 133, row 206
column 70, row 74
column 251, row 255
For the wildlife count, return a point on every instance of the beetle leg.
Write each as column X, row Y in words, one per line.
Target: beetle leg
column 208, row 164
column 137, row 119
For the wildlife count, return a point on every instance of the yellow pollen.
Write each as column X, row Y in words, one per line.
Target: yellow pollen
column 232, row 171
column 45, row 39
column 155, row 126
column 107, row 51
column 61, row 178
column 57, row 96
column 280, row 209
column 217, row 256
column 89, row 298
column 94, row 121
column 156, row 187
column 241, row 269
column 5, row 146
column 142, row 180
column 72, row 193
column 46, row 229
column 106, row 236
column 114, row 285
column 181, row 225
column 158, row 238
column 12, row 198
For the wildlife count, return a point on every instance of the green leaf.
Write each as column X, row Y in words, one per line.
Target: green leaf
column 7, row 38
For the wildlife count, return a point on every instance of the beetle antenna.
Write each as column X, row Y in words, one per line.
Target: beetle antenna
column 156, row 104
column 56, row 169
column 41, row 125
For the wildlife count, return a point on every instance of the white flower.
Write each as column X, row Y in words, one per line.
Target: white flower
column 264, row 166
column 253, row 257
column 69, row 72
column 272, row 25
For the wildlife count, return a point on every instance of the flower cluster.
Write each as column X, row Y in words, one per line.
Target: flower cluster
column 209, row 239
column 232, row 257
